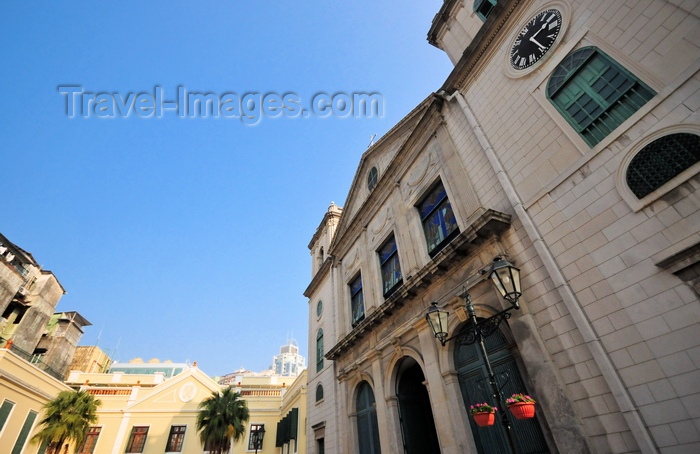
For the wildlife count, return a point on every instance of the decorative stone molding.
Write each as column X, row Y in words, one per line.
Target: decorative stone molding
column 490, row 223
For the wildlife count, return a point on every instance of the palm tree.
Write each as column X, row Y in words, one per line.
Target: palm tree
column 67, row 418
column 220, row 420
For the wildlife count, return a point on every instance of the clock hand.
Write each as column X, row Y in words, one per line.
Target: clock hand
column 532, row 38
column 541, row 28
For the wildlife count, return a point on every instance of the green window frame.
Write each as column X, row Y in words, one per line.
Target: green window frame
column 483, row 8
column 660, row 161
column 595, row 94
column 319, row 392
column 366, row 418
column 5, row 410
column 319, row 350
column 24, row 432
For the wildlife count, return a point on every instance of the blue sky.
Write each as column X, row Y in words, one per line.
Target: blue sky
column 186, row 238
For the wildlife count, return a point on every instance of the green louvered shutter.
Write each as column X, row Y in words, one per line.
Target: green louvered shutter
column 24, row 433
column 5, row 410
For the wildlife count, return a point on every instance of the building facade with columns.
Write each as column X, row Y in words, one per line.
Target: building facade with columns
column 567, row 139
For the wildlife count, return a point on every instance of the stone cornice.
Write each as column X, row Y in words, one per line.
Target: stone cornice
column 490, row 223
column 480, row 44
column 440, row 20
column 319, row 277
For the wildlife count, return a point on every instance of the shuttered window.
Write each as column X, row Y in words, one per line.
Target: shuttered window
column 595, row 94
column 5, row 410
column 24, row 432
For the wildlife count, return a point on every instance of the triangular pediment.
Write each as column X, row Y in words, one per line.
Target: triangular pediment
column 383, row 155
column 179, row 393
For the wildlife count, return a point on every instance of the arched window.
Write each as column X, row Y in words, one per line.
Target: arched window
column 595, row 94
column 660, row 161
column 319, row 393
column 319, row 350
column 367, row 426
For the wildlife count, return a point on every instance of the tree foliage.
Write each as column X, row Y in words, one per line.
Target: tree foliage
column 67, row 418
column 220, row 420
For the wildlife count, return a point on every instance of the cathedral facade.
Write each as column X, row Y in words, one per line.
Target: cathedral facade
column 567, row 140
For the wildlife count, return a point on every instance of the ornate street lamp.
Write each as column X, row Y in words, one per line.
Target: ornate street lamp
column 506, row 279
column 257, row 436
column 437, row 319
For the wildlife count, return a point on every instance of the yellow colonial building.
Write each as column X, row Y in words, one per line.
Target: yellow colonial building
column 24, row 389
column 155, row 411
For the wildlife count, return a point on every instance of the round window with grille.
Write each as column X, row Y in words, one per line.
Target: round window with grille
column 660, row 161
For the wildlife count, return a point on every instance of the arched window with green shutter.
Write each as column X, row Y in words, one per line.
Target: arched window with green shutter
column 595, row 94
column 367, row 424
column 319, row 350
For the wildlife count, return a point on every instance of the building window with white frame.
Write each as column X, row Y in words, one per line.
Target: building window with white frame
column 251, row 439
column 176, row 438
column 5, row 410
column 88, row 446
column 137, row 440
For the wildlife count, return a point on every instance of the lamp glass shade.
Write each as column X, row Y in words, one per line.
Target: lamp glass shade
column 506, row 279
column 437, row 319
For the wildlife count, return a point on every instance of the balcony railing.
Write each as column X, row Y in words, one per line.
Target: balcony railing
column 36, row 361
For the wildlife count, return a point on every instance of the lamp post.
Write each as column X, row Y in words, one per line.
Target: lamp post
column 257, row 436
column 506, row 279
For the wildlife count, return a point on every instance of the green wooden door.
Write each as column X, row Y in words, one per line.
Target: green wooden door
column 473, row 381
column 367, row 426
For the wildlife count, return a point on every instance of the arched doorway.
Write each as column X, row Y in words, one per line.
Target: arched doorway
column 473, row 381
column 367, row 427
column 415, row 413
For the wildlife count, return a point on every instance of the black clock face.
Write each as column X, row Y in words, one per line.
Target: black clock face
column 535, row 39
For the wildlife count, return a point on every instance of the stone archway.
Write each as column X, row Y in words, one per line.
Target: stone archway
column 415, row 413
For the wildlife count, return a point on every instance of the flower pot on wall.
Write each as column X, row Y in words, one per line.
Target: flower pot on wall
column 484, row 419
column 523, row 410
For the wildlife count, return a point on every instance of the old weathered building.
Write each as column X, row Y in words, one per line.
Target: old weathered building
column 567, row 139
column 29, row 325
column 36, row 345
